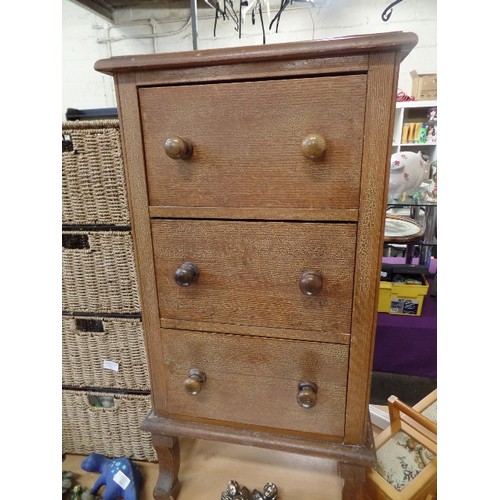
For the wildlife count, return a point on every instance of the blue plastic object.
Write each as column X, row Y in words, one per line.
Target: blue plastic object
column 120, row 476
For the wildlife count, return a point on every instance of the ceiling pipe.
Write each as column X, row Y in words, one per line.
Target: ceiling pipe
column 194, row 23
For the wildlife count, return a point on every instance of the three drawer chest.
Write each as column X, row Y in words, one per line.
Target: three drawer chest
column 257, row 181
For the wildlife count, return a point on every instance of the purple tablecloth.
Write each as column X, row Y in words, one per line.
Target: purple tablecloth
column 407, row 345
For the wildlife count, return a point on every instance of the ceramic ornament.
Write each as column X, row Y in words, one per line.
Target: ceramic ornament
column 406, row 174
column 121, row 477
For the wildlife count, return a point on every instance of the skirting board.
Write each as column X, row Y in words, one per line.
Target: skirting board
column 379, row 417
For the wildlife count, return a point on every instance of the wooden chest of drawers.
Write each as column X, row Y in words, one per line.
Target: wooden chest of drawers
column 257, row 183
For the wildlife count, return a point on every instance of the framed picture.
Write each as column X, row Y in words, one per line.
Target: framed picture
column 432, row 115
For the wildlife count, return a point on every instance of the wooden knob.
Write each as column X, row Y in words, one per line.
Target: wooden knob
column 186, row 275
column 194, row 383
column 313, row 146
column 311, row 282
column 307, row 395
column 178, row 148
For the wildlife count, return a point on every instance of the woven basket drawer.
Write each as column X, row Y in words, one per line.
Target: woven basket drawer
column 93, row 178
column 104, row 352
column 98, row 272
column 113, row 432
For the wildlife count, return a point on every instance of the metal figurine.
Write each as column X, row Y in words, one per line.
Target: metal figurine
column 236, row 492
column 270, row 492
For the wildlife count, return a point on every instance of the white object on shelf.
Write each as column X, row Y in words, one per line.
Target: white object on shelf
column 400, row 228
column 406, row 174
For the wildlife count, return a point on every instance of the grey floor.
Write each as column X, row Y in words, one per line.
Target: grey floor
column 408, row 389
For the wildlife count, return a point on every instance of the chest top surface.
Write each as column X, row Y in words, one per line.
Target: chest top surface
column 356, row 45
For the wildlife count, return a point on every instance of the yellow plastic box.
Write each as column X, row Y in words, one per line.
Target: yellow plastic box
column 402, row 299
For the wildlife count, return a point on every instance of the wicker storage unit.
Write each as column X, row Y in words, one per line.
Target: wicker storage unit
column 112, row 431
column 105, row 379
column 93, row 179
column 104, row 352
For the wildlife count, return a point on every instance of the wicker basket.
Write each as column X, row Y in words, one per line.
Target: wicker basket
column 104, row 352
column 113, row 432
column 93, row 179
column 98, row 272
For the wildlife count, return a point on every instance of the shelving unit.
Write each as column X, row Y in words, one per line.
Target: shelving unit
column 413, row 112
column 424, row 212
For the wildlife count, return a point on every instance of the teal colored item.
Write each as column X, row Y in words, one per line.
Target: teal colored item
column 422, row 136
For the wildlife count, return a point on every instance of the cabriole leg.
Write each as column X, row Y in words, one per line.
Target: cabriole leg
column 168, row 485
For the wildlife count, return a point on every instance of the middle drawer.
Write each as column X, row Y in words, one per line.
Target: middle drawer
column 281, row 279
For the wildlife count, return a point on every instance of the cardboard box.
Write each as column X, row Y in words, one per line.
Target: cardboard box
column 424, row 87
column 402, row 299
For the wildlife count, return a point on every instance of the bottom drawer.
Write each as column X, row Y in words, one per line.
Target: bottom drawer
column 254, row 382
column 88, row 425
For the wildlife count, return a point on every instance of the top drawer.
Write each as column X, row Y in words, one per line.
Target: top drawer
column 247, row 138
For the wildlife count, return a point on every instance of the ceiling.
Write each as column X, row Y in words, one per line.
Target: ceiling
column 108, row 8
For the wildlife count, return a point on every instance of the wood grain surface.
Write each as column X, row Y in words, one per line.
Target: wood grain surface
column 247, row 140
column 255, row 381
column 250, row 273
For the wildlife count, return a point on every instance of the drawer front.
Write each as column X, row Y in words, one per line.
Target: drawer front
column 254, row 382
column 249, row 274
column 93, row 176
column 247, row 140
column 98, row 272
column 104, row 352
column 106, row 423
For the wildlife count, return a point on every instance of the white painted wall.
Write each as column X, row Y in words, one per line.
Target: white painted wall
column 87, row 37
